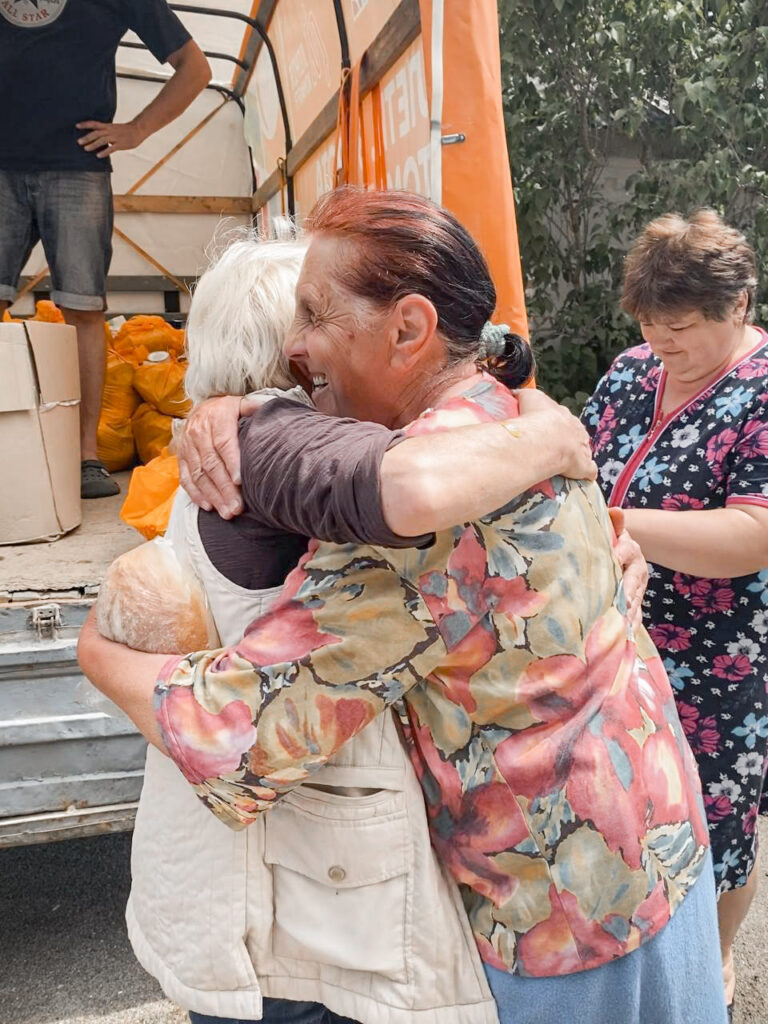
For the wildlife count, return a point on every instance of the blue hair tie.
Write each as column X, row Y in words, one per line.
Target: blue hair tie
column 493, row 339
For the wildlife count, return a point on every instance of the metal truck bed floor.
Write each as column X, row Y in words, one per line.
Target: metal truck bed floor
column 78, row 560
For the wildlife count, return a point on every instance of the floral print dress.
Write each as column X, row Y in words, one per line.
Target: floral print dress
column 712, row 633
column 560, row 791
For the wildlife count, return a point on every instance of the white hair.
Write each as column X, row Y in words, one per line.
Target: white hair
column 241, row 311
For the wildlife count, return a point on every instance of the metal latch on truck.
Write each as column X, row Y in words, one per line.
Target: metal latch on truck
column 45, row 619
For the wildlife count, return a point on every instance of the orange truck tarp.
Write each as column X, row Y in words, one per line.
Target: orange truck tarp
column 432, row 122
column 476, row 178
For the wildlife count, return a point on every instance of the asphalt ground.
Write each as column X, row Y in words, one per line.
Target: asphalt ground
column 65, row 957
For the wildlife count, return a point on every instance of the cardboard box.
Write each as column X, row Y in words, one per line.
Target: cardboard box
column 39, row 431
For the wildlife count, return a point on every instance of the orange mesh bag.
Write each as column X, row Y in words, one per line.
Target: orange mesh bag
column 152, row 488
column 151, row 430
column 117, row 448
column 162, row 385
column 147, row 334
column 48, row 312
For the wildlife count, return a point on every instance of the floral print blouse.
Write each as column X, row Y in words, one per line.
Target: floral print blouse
column 712, row 633
column 560, row 791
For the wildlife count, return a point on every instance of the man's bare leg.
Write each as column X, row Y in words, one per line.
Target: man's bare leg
column 92, row 354
column 95, row 481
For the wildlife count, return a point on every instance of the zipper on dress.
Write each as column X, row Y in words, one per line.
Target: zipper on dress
column 624, row 478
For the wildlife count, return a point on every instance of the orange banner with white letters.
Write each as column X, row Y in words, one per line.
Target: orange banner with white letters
column 435, row 130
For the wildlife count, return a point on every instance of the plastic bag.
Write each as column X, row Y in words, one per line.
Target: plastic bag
column 152, row 431
column 119, row 396
column 48, row 312
column 116, row 444
column 144, row 334
column 153, row 602
column 132, row 353
column 148, row 504
column 162, row 385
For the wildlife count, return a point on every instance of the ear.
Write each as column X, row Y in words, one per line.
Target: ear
column 415, row 328
column 740, row 309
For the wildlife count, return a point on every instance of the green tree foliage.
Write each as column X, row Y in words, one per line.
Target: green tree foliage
column 685, row 84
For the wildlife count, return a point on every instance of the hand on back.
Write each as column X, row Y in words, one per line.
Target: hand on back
column 561, row 432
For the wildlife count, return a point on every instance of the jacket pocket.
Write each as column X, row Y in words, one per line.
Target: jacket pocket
column 340, row 880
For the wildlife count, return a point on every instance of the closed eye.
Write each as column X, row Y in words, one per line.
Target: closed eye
column 306, row 314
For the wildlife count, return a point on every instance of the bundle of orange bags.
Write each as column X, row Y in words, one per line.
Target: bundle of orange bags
column 141, row 398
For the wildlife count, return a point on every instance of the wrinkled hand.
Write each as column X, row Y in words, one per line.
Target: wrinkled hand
column 109, row 138
column 634, row 567
column 562, row 433
column 209, row 453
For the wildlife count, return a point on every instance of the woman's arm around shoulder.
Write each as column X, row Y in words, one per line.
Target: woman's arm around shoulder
column 341, row 480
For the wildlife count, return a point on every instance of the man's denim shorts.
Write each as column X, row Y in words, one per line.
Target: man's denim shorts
column 71, row 213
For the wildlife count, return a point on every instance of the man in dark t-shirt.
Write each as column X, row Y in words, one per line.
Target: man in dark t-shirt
column 59, row 95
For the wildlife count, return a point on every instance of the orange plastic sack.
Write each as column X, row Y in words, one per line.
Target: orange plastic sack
column 147, row 507
column 8, row 319
column 144, row 334
column 132, row 353
column 162, row 385
column 119, row 397
column 151, row 430
column 116, row 445
column 48, row 312
column 117, row 448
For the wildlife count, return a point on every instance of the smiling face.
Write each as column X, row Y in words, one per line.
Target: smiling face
column 335, row 350
column 692, row 348
column 353, row 358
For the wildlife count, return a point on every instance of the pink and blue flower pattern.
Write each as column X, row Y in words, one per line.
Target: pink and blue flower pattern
column 712, row 633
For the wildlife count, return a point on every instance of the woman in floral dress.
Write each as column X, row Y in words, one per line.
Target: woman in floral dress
column 680, row 434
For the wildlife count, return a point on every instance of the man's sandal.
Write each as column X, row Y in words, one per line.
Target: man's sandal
column 95, row 481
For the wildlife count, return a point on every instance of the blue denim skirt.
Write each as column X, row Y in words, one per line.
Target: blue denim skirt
column 674, row 978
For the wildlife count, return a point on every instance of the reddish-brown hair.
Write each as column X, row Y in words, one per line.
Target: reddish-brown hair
column 404, row 244
column 679, row 265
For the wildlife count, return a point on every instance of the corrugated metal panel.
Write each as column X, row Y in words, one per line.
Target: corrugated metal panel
column 69, row 824
column 58, row 750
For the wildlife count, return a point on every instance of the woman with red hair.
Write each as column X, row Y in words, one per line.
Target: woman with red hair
column 560, row 791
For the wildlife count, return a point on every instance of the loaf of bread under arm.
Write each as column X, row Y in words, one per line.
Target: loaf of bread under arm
column 152, row 602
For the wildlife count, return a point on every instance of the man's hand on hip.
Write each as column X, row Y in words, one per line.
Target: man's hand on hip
column 105, row 139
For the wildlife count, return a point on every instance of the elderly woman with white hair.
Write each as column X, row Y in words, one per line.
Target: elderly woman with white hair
column 264, row 924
